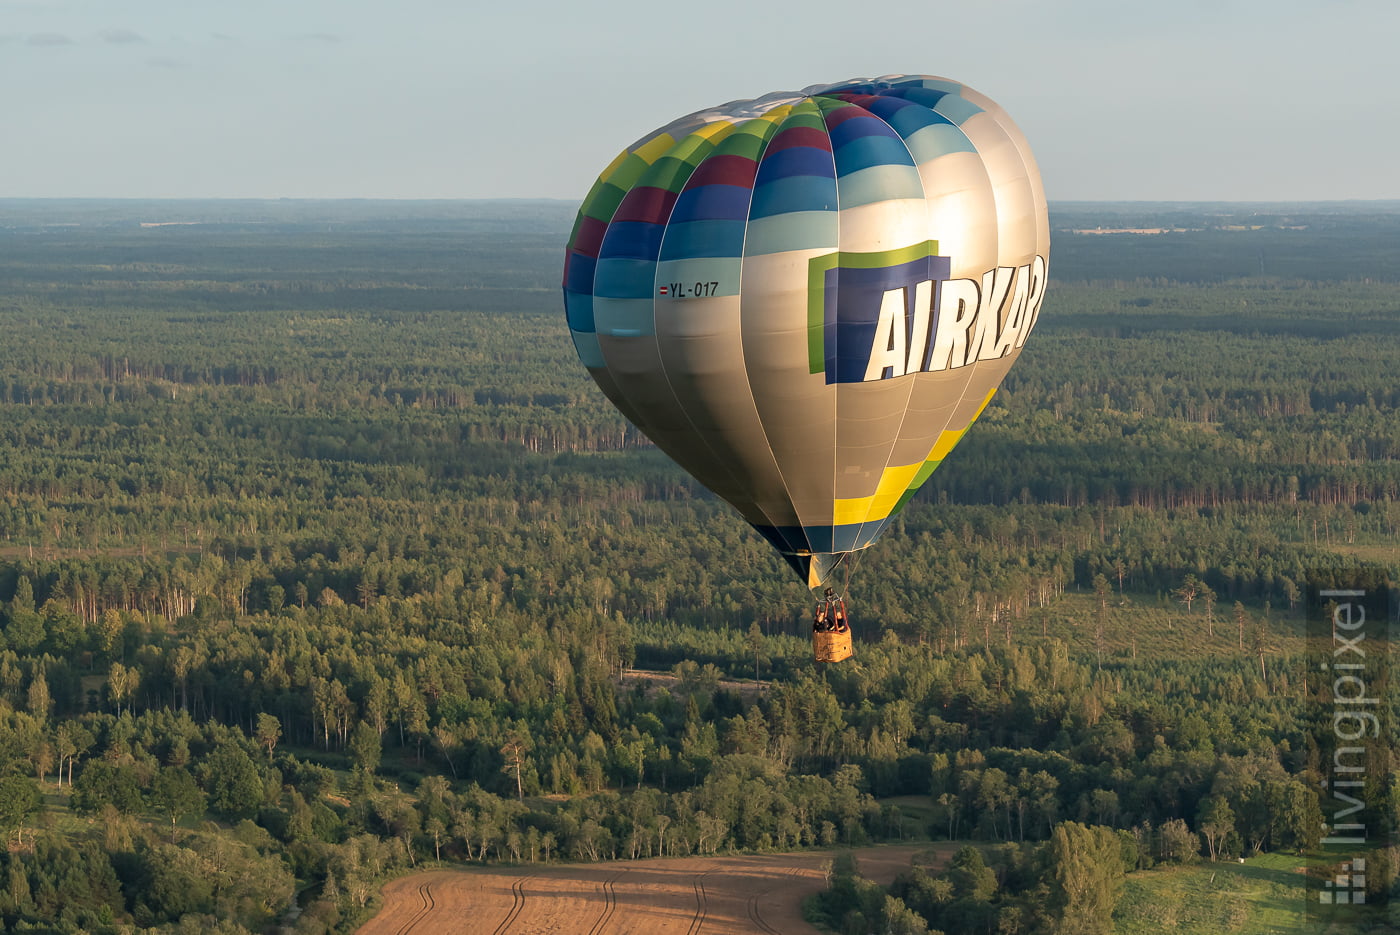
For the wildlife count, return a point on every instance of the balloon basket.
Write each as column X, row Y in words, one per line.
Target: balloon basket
column 832, row 645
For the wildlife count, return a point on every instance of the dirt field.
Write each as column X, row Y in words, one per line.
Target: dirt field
column 684, row 896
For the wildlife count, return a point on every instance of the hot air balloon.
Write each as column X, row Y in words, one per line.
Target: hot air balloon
column 805, row 299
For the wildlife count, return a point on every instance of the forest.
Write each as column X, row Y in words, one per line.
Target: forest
column 322, row 559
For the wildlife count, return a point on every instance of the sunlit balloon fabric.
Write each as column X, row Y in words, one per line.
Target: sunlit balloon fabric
column 805, row 299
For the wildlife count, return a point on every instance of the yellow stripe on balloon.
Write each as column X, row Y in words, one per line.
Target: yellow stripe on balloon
column 978, row 414
column 894, row 480
column 714, row 132
column 945, row 443
column 612, row 166
column 947, row 439
column 654, row 148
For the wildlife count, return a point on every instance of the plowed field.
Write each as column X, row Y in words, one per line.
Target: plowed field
column 665, row 896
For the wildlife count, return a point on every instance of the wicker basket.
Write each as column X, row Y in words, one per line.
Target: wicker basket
column 832, row 645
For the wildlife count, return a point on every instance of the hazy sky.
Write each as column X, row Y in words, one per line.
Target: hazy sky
column 1121, row 99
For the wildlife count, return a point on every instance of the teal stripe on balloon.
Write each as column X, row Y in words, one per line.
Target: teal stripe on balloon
column 879, row 183
column 797, row 230
column 794, row 193
column 872, row 150
column 624, row 278
column 624, row 318
column 957, row 109
column 938, row 140
column 703, row 238
column 586, row 343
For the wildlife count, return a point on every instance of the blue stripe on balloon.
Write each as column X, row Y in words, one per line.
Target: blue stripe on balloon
column 796, row 160
column 848, row 131
column 578, row 308
column 786, row 539
column 924, row 97
column 580, row 275
column 869, row 151
column 712, row 202
column 906, row 117
column 637, row 240
column 928, row 83
column 872, row 528
column 846, row 537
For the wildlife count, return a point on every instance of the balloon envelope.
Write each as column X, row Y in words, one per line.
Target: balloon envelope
column 806, row 299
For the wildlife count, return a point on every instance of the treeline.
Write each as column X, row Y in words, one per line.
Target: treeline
column 947, row 576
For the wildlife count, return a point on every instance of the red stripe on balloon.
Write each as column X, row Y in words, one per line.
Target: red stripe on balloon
column 724, row 170
column 590, row 236
column 799, row 136
column 645, row 203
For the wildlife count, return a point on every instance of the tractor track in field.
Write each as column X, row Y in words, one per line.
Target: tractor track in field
column 517, row 906
column 755, row 916
column 425, row 895
column 609, row 904
column 702, row 904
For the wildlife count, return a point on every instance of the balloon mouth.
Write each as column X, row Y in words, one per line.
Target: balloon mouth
column 816, row 568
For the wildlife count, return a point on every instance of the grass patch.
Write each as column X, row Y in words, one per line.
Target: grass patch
column 1262, row 896
column 1385, row 553
column 1152, row 627
column 916, row 813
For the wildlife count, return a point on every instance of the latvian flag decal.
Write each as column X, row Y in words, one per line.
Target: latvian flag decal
column 663, row 290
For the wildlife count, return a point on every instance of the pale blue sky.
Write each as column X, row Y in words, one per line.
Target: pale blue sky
column 1192, row 100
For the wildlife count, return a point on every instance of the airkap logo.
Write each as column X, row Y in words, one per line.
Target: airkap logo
column 1349, row 662
column 884, row 315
